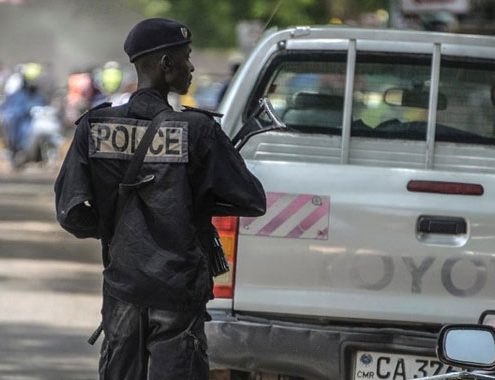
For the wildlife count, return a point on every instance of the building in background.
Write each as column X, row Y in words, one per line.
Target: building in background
column 461, row 16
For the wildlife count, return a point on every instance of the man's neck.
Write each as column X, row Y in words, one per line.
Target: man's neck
column 146, row 84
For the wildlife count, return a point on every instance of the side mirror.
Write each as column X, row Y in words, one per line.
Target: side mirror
column 467, row 346
column 412, row 98
column 263, row 119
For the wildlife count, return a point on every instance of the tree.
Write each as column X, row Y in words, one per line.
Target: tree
column 213, row 23
column 353, row 8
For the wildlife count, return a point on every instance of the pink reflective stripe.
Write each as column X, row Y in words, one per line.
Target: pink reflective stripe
column 296, row 216
column 310, row 220
column 271, row 198
column 246, row 221
column 281, row 217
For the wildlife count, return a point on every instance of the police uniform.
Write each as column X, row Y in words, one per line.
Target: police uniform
column 157, row 281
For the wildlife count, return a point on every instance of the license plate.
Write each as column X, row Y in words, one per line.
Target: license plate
column 385, row 366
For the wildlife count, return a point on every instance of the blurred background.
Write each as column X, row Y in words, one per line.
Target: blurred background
column 60, row 57
column 67, row 55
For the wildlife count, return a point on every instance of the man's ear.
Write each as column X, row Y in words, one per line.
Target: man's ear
column 166, row 62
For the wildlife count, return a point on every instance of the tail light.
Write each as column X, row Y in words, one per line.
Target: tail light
column 441, row 187
column 227, row 229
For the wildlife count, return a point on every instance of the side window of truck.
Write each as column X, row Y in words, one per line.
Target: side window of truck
column 380, row 82
column 390, row 108
column 390, row 96
column 391, row 99
column 469, row 88
column 308, row 92
column 308, row 95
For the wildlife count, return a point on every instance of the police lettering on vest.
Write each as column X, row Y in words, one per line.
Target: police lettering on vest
column 117, row 138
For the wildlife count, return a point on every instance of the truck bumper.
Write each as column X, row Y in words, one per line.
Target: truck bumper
column 316, row 352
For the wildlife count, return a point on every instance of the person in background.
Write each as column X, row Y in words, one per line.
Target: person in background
column 4, row 74
column 16, row 117
column 116, row 84
column 111, row 77
column 234, row 64
column 82, row 94
column 14, row 80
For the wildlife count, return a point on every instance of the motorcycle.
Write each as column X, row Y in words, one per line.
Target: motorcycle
column 45, row 138
column 43, row 141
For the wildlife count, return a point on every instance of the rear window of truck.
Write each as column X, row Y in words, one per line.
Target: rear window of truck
column 390, row 96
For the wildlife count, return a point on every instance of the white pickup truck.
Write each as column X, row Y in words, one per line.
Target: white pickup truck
column 380, row 222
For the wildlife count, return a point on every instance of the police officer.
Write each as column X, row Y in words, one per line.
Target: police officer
column 156, row 281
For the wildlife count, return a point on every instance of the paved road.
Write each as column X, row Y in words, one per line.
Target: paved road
column 49, row 286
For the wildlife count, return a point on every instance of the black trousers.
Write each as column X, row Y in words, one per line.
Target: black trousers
column 152, row 344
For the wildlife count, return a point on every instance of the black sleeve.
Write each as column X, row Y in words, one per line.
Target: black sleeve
column 73, row 189
column 234, row 190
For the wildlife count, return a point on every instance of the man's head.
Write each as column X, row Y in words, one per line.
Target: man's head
column 160, row 50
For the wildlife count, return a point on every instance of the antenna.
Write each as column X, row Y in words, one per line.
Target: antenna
column 274, row 12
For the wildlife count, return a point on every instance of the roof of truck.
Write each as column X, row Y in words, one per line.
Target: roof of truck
column 347, row 32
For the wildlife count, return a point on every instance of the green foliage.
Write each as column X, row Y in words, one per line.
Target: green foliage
column 213, row 22
column 150, row 8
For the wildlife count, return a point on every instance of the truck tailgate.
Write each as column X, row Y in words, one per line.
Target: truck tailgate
column 327, row 248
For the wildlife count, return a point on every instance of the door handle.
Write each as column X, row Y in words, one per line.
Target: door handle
column 449, row 225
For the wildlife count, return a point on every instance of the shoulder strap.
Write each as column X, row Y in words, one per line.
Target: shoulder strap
column 138, row 158
column 135, row 165
column 206, row 112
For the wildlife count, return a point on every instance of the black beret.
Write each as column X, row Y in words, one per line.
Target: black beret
column 154, row 34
